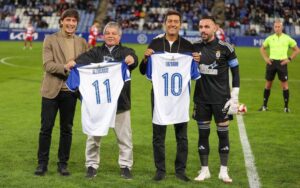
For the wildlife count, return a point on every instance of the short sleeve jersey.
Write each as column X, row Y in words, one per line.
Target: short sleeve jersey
column 170, row 74
column 216, row 58
column 279, row 46
column 93, row 32
column 100, row 85
column 29, row 31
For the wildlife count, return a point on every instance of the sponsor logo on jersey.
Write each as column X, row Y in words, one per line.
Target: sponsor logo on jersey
column 208, row 69
column 108, row 59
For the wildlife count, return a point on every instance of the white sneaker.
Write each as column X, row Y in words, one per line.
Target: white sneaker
column 203, row 174
column 223, row 175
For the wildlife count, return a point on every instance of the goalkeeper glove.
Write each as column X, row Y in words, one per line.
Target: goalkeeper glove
column 232, row 105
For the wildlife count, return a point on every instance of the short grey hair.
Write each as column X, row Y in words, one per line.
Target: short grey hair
column 114, row 25
column 278, row 21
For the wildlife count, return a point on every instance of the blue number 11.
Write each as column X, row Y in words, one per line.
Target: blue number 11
column 97, row 92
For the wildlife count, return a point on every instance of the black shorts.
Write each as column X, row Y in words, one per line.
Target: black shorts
column 274, row 68
column 204, row 112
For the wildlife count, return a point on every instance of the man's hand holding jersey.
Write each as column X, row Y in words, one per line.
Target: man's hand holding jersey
column 129, row 60
column 70, row 64
column 233, row 103
column 147, row 53
column 196, row 56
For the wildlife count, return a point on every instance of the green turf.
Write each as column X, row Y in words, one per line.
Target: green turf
column 273, row 135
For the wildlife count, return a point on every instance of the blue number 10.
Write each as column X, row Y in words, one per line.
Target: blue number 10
column 108, row 94
column 176, row 77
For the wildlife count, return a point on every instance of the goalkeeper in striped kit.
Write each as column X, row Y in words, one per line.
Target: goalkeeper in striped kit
column 212, row 95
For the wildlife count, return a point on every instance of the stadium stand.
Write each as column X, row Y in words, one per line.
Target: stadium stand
column 44, row 16
column 237, row 17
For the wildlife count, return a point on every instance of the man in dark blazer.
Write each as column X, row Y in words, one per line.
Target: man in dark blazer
column 58, row 49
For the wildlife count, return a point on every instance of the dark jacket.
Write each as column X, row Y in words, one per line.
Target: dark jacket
column 161, row 44
column 119, row 52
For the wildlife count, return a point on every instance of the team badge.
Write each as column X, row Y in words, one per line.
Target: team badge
column 218, row 54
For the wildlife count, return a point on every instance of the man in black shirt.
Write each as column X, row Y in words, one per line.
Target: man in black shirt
column 112, row 50
column 173, row 43
column 212, row 95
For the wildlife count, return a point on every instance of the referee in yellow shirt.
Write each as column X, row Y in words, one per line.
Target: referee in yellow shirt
column 278, row 44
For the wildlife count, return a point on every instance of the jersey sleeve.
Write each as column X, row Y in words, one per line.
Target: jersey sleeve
column 149, row 68
column 231, row 56
column 73, row 80
column 195, row 72
column 266, row 42
column 125, row 72
column 292, row 43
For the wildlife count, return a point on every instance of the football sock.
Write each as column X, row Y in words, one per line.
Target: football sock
column 286, row 95
column 203, row 143
column 223, row 144
column 266, row 96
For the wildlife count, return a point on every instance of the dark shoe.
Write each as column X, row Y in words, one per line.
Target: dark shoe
column 126, row 174
column 182, row 177
column 286, row 110
column 263, row 108
column 62, row 170
column 159, row 176
column 41, row 170
column 91, row 172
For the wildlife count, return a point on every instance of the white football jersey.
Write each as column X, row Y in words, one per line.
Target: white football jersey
column 100, row 86
column 29, row 31
column 171, row 74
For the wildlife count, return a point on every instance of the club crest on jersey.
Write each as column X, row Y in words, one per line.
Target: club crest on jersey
column 218, row 54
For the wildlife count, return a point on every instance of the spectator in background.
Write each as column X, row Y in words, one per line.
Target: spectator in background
column 220, row 34
column 94, row 31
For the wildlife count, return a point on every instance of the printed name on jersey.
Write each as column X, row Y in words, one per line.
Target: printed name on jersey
column 172, row 64
column 101, row 70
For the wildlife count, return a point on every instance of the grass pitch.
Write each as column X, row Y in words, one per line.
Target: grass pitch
column 273, row 135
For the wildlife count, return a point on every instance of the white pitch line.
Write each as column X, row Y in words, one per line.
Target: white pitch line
column 252, row 174
column 4, row 62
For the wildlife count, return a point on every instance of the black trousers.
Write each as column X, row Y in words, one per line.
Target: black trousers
column 159, row 135
column 65, row 103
